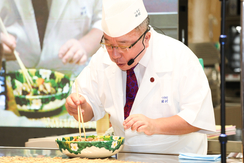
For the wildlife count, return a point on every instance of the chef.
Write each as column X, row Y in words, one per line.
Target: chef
column 51, row 34
column 153, row 86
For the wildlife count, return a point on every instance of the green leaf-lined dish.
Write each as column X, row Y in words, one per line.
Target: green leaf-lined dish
column 41, row 103
column 90, row 149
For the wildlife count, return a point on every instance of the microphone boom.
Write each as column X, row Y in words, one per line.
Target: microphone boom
column 131, row 61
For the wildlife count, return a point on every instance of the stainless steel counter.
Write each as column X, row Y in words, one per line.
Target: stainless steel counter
column 136, row 157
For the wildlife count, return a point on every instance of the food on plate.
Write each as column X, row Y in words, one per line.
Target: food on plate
column 39, row 87
column 45, row 82
column 88, row 139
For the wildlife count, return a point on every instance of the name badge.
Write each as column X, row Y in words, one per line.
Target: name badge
column 165, row 100
column 83, row 11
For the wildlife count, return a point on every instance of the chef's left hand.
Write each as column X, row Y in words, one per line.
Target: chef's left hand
column 140, row 123
column 73, row 52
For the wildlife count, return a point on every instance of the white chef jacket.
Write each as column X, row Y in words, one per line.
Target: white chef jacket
column 68, row 19
column 180, row 88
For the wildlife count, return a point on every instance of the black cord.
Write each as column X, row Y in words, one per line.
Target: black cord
column 158, row 29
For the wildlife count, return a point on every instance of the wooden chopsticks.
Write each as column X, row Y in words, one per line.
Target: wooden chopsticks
column 22, row 66
column 80, row 116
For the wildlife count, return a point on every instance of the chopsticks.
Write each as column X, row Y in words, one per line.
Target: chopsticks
column 22, row 66
column 80, row 116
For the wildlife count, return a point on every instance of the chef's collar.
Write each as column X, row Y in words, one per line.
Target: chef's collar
column 140, row 69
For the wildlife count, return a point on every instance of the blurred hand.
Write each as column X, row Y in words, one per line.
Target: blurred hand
column 9, row 45
column 73, row 52
column 140, row 123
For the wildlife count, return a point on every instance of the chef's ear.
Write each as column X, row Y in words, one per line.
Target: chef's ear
column 147, row 38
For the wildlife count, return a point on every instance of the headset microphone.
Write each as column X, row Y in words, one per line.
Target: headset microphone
column 131, row 61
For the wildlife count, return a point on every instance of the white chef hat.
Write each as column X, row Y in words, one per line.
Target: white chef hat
column 122, row 16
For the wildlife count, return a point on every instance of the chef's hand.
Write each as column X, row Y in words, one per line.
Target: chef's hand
column 9, row 45
column 72, row 103
column 73, row 52
column 140, row 123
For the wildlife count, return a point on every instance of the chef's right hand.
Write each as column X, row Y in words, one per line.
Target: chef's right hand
column 9, row 45
column 72, row 103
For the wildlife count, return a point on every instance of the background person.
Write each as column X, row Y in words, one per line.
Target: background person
column 70, row 34
column 172, row 110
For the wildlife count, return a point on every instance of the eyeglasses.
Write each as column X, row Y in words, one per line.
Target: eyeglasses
column 121, row 48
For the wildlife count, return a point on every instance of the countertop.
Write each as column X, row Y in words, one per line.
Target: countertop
column 135, row 157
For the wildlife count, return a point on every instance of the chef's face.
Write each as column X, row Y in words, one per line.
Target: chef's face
column 119, row 51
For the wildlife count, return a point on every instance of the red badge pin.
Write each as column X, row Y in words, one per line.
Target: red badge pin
column 152, row 79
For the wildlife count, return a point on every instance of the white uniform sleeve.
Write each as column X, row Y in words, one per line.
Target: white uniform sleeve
column 196, row 103
column 97, row 14
column 88, row 87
